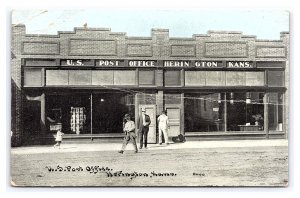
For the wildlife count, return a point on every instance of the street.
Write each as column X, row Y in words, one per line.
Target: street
column 244, row 163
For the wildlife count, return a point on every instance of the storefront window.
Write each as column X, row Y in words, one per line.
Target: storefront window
column 172, row 78
column 146, row 78
column 70, row 113
column 245, row 111
column 32, row 77
column 109, row 109
column 276, row 111
column 275, row 78
column 204, row 112
column 147, row 98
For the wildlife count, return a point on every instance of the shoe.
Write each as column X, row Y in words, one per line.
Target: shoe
column 140, row 147
column 160, row 143
column 135, row 151
column 146, row 147
column 121, row 152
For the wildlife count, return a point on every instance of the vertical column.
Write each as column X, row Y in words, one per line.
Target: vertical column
column 43, row 114
column 91, row 100
column 159, row 102
column 266, row 114
column 136, row 111
column 225, row 112
column 182, row 115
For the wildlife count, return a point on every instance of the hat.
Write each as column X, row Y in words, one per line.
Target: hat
column 127, row 115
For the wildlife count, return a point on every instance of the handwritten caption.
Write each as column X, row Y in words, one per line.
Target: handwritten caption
column 108, row 171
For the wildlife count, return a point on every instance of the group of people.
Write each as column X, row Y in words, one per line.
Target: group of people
column 144, row 122
column 143, row 127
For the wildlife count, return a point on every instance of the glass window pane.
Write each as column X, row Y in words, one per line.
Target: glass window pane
column 123, row 77
column 195, row 78
column 32, row 77
column 235, row 78
column 275, row 78
column 245, row 111
column 215, row 78
column 255, row 78
column 172, row 78
column 172, row 98
column 109, row 109
column 57, row 77
column 70, row 112
column 204, row 112
column 147, row 98
column 102, row 77
column 275, row 111
column 146, row 78
column 80, row 77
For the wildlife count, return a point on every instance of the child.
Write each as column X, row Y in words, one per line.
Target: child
column 58, row 138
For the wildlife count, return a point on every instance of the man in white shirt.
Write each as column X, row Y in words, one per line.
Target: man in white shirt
column 129, row 130
column 163, row 125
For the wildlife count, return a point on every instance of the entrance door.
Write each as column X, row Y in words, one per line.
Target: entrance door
column 151, row 111
column 174, row 120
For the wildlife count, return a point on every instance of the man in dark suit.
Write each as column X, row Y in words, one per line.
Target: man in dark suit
column 143, row 124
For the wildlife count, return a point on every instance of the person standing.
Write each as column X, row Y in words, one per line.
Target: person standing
column 129, row 130
column 143, row 123
column 58, row 138
column 163, row 125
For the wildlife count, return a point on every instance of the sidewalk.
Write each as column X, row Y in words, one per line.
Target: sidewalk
column 116, row 146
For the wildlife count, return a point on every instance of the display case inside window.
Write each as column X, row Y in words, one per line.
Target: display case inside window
column 78, row 119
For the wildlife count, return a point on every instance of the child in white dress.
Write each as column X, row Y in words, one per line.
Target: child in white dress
column 58, row 138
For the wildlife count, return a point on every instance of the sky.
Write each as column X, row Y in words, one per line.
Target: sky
column 264, row 24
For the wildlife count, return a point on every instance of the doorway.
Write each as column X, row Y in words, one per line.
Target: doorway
column 173, row 113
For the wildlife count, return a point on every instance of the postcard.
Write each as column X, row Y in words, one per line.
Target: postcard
column 149, row 98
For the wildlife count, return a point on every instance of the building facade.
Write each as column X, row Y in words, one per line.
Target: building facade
column 215, row 85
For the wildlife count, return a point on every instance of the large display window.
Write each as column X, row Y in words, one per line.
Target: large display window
column 245, row 111
column 70, row 112
column 230, row 111
column 109, row 109
column 204, row 112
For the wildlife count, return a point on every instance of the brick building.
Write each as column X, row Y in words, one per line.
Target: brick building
column 215, row 85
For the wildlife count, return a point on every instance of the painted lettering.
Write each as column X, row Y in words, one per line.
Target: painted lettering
column 206, row 64
column 108, row 63
column 74, row 62
column 241, row 64
column 141, row 63
column 176, row 63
